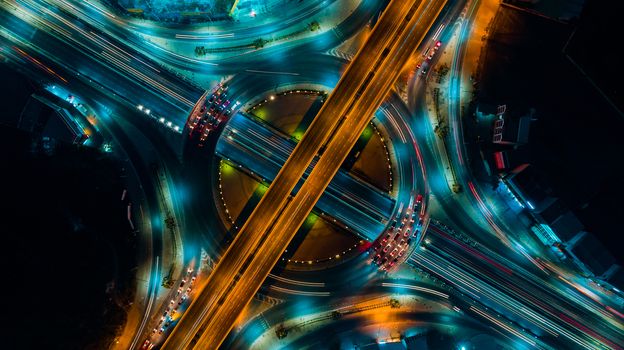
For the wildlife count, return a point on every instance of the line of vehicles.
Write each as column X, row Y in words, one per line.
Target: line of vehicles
column 430, row 51
column 395, row 241
column 216, row 109
column 170, row 314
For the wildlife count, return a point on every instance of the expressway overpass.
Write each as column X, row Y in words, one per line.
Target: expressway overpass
column 260, row 151
column 334, row 131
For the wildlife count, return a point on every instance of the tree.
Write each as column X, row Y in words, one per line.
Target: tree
column 281, row 332
column 259, row 43
column 394, row 303
column 457, row 188
column 314, row 26
column 170, row 222
column 441, row 130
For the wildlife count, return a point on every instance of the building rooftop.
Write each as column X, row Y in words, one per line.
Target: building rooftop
column 566, row 226
column 593, row 254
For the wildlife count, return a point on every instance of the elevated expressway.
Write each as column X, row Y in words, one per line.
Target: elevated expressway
column 336, row 128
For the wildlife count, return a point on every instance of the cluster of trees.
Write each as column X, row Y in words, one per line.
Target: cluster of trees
column 200, row 51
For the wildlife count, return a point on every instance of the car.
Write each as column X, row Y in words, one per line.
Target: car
column 179, row 291
column 383, row 261
column 420, row 220
column 385, row 250
column 376, row 257
column 146, row 343
column 419, row 199
column 400, row 253
column 438, row 44
column 393, row 253
column 396, row 237
column 393, row 224
column 190, row 269
column 188, row 290
column 182, row 283
column 154, row 330
column 409, row 240
column 402, row 242
column 407, row 232
column 172, row 302
column 161, row 330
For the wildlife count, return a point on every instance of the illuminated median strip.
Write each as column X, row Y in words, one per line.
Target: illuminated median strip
column 210, row 36
column 298, row 292
column 299, row 283
column 421, row 289
column 504, row 326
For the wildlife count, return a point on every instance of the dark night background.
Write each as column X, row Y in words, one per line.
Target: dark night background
column 66, row 240
column 577, row 140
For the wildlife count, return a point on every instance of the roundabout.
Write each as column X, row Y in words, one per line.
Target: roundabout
column 249, row 147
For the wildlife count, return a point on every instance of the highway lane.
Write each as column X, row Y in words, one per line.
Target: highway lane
column 416, row 25
column 260, row 151
column 529, row 299
column 85, row 51
column 465, row 212
column 546, row 291
column 127, row 31
column 241, row 250
column 424, row 290
column 462, row 211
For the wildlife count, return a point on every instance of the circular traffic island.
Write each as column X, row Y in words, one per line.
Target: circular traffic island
column 252, row 149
